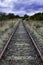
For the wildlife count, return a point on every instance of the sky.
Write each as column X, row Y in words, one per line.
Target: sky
column 21, row 7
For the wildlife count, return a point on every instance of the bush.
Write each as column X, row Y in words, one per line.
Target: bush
column 38, row 26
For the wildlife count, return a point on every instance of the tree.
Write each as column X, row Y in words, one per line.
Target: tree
column 10, row 16
column 26, row 17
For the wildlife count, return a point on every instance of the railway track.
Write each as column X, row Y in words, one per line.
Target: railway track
column 20, row 49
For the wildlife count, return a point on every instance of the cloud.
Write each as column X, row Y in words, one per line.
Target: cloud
column 21, row 7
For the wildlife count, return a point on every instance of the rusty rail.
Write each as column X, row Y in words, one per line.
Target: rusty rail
column 34, row 43
column 9, row 40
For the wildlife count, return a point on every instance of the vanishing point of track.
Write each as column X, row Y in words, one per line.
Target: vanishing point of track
column 21, row 49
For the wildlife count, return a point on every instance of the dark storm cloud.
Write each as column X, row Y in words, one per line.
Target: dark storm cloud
column 21, row 7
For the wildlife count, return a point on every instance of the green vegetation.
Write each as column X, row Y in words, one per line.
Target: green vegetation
column 6, row 30
column 36, row 27
column 4, row 16
column 37, row 16
column 26, row 17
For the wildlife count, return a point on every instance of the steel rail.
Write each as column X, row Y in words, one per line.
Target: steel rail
column 34, row 43
column 9, row 40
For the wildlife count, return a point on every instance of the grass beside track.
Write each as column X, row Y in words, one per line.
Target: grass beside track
column 6, row 30
column 37, row 28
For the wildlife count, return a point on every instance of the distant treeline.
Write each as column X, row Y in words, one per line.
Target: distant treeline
column 3, row 16
column 37, row 16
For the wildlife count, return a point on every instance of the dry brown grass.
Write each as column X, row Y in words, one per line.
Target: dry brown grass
column 7, row 25
column 37, row 28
